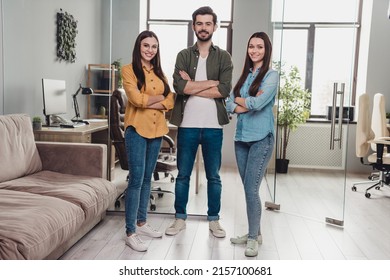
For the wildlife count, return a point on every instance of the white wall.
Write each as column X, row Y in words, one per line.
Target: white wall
column 29, row 45
column 125, row 23
column 378, row 66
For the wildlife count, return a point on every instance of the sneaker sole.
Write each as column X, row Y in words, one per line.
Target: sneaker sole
column 250, row 254
column 174, row 233
column 241, row 241
column 135, row 249
column 150, row 235
column 217, row 235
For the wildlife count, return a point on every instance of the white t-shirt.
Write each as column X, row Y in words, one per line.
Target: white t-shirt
column 200, row 112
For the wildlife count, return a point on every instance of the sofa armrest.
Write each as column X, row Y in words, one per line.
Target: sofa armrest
column 74, row 158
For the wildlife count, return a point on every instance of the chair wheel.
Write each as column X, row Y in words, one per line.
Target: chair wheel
column 377, row 188
column 172, row 180
column 160, row 195
column 152, row 207
column 368, row 195
column 117, row 204
column 353, row 188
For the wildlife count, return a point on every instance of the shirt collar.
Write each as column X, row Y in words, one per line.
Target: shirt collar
column 195, row 48
column 145, row 69
column 257, row 70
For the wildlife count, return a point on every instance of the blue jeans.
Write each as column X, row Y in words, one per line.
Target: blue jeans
column 142, row 154
column 188, row 140
column 252, row 160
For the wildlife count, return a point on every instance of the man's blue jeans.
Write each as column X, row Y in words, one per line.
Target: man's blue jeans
column 252, row 160
column 188, row 140
column 142, row 154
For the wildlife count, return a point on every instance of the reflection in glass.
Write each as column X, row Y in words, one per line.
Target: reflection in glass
column 332, row 63
column 165, row 9
column 320, row 11
column 169, row 51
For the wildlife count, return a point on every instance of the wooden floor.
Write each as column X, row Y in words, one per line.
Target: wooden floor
column 288, row 234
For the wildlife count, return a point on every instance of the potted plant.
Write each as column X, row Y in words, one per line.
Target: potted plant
column 37, row 123
column 294, row 109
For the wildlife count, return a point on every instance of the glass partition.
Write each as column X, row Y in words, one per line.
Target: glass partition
column 313, row 184
column 276, row 36
column 302, row 39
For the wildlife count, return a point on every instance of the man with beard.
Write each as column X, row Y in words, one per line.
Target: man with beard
column 202, row 81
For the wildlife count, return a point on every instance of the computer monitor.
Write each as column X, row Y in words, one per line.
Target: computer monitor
column 54, row 98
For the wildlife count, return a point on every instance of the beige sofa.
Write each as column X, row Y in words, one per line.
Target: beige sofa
column 51, row 194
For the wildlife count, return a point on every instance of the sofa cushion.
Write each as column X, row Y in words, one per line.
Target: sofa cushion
column 93, row 195
column 51, row 221
column 18, row 153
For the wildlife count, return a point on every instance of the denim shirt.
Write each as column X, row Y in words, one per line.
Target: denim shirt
column 258, row 122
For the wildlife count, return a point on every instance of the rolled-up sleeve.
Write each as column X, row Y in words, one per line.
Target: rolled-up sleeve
column 178, row 82
column 169, row 101
column 134, row 95
column 269, row 87
column 230, row 105
column 225, row 75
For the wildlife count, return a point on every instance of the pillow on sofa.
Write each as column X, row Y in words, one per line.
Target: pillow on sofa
column 18, row 153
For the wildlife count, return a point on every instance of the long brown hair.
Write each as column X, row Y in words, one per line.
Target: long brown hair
column 254, row 88
column 137, row 64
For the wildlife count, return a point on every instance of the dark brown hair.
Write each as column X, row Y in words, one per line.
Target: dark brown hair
column 137, row 64
column 206, row 10
column 254, row 88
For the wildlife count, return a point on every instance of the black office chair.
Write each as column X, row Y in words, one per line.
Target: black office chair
column 166, row 163
column 365, row 137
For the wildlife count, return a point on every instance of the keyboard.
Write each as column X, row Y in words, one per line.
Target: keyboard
column 72, row 124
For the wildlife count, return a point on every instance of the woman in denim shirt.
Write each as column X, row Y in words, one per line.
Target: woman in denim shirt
column 252, row 99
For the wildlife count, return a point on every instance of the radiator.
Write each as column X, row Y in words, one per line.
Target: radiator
column 309, row 147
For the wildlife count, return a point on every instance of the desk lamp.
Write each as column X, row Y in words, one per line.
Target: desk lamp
column 84, row 90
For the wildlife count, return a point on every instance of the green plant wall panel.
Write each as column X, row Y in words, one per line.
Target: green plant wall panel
column 66, row 37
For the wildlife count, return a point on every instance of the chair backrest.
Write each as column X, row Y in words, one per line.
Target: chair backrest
column 117, row 111
column 364, row 132
column 378, row 119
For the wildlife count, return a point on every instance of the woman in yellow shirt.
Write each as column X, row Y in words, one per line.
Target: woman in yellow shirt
column 149, row 97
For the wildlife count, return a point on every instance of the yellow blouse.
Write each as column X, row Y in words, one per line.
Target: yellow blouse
column 149, row 123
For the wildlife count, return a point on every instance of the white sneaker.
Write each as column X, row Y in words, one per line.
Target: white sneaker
column 135, row 243
column 147, row 230
column 243, row 239
column 216, row 229
column 176, row 227
column 252, row 248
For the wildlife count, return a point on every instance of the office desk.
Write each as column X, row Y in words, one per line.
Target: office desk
column 95, row 132
column 92, row 133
